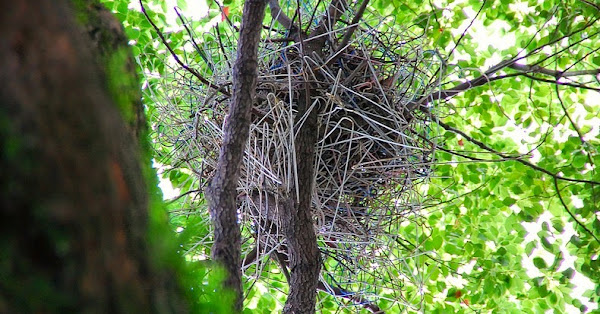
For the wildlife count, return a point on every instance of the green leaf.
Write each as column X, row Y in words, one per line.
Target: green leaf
column 509, row 201
column 539, row 263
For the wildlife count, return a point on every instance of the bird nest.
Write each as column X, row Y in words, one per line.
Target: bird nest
column 374, row 145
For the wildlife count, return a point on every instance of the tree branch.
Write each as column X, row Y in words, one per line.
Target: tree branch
column 353, row 25
column 183, row 65
column 556, row 74
column 591, row 4
column 356, row 299
column 562, row 201
column 281, row 17
column 556, row 82
column 334, row 12
column 221, row 192
column 520, row 160
column 226, row 16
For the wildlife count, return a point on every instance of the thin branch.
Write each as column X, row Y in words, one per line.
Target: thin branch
column 564, row 108
column 282, row 264
column 556, row 74
column 589, row 53
column 464, row 33
column 478, row 81
column 485, row 77
column 466, row 29
column 579, row 133
column 280, row 16
column 222, row 47
column 250, row 257
column 520, row 160
column 539, row 79
column 562, row 201
column 353, row 25
column 226, row 16
column 191, row 35
column 357, row 299
column 559, row 39
column 183, row 65
column 333, row 14
column 312, row 15
column 184, row 194
column 591, row 4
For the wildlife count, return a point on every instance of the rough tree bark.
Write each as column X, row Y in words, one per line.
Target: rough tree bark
column 303, row 251
column 221, row 193
column 73, row 205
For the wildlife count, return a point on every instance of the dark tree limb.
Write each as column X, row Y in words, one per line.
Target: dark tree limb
column 221, row 193
column 487, row 76
column 303, row 252
column 281, row 260
column 317, row 38
column 250, row 257
column 591, row 4
column 353, row 25
column 558, row 82
column 553, row 73
column 280, row 16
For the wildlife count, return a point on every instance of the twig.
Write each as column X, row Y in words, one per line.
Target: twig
column 280, row 16
column 198, row 49
column 353, row 26
column 334, row 11
column 562, row 201
column 464, row 33
column 555, row 74
column 357, row 299
column 183, row 65
column 226, row 16
column 557, row 82
column 520, row 160
column 591, row 4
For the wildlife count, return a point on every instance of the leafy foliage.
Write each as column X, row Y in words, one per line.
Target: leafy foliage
column 505, row 231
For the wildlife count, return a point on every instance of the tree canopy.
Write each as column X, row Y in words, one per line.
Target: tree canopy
column 509, row 217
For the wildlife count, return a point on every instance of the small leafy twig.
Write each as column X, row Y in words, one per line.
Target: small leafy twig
column 557, row 82
column 190, row 33
column 520, row 160
column 183, row 65
column 464, row 33
column 226, row 16
column 562, row 201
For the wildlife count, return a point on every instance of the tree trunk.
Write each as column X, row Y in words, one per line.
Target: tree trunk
column 303, row 251
column 73, row 206
column 222, row 192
